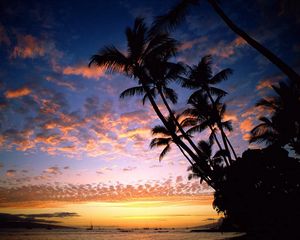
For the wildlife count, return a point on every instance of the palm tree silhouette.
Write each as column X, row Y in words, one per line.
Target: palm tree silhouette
column 206, row 115
column 165, row 139
column 201, row 78
column 214, row 161
column 177, row 14
column 282, row 127
column 142, row 49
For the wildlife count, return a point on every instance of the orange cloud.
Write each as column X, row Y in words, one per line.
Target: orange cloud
column 28, row 46
column 246, row 125
column 11, row 173
column 17, row 93
column 190, row 44
column 268, row 82
column 227, row 50
column 84, row 71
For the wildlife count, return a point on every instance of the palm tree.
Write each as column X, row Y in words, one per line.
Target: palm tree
column 201, row 78
column 142, row 48
column 215, row 161
column 177, row 14
column 283, row 126
column 165, row 139
column 205, row 116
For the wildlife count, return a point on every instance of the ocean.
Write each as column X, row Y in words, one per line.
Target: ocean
column 115, row 234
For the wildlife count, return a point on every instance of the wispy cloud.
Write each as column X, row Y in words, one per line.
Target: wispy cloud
column 84, row 71
column 28, row 46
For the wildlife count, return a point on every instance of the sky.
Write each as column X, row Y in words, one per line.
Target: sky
column 68, row 144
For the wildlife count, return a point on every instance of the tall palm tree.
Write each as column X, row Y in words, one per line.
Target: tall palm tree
column 142, row 48
column 177, row 14
column 201, row 78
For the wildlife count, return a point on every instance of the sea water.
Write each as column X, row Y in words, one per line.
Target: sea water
column 82, row 234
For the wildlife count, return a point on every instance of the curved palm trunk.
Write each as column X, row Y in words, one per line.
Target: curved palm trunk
column 184, row 154
column 205, row 175
column 287, row 70
column 231, row 147
column 177, row 123
column 223, row 135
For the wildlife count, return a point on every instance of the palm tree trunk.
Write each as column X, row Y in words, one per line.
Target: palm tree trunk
column 231, row 147
column 205, row 175
column 184, row 154
column 177, row 123
column 223, row 135
column 287, row 70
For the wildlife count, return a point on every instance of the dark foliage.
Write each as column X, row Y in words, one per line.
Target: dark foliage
column 260, row 192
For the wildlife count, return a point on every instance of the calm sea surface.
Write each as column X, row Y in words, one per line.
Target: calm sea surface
column 111, row 235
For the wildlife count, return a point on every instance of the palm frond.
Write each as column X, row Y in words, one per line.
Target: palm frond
column 173, row 17
column 170, row 94
column 132, row 92
column 217, row 91
column 227, row 125
column 136, row 39
column 164, row 152
column 157, row 142
column 221, row 76
column 111, row 59
column 158, row 129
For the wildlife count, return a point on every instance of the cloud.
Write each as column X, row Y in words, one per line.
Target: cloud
column 227, row 50
column 62, row 83
column 190, row 44
column 29, row 46
column 11, row 173
column 35, row 218
column 21, row 92
column 129, row 169
column 246, row 125
column 84, row 71
column 53, row 170
column 268, row 82
column 150, row 189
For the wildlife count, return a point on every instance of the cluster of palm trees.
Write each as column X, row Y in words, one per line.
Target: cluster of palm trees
column 149, row 61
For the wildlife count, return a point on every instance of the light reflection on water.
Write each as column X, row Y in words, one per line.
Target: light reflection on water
column 111, row 235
